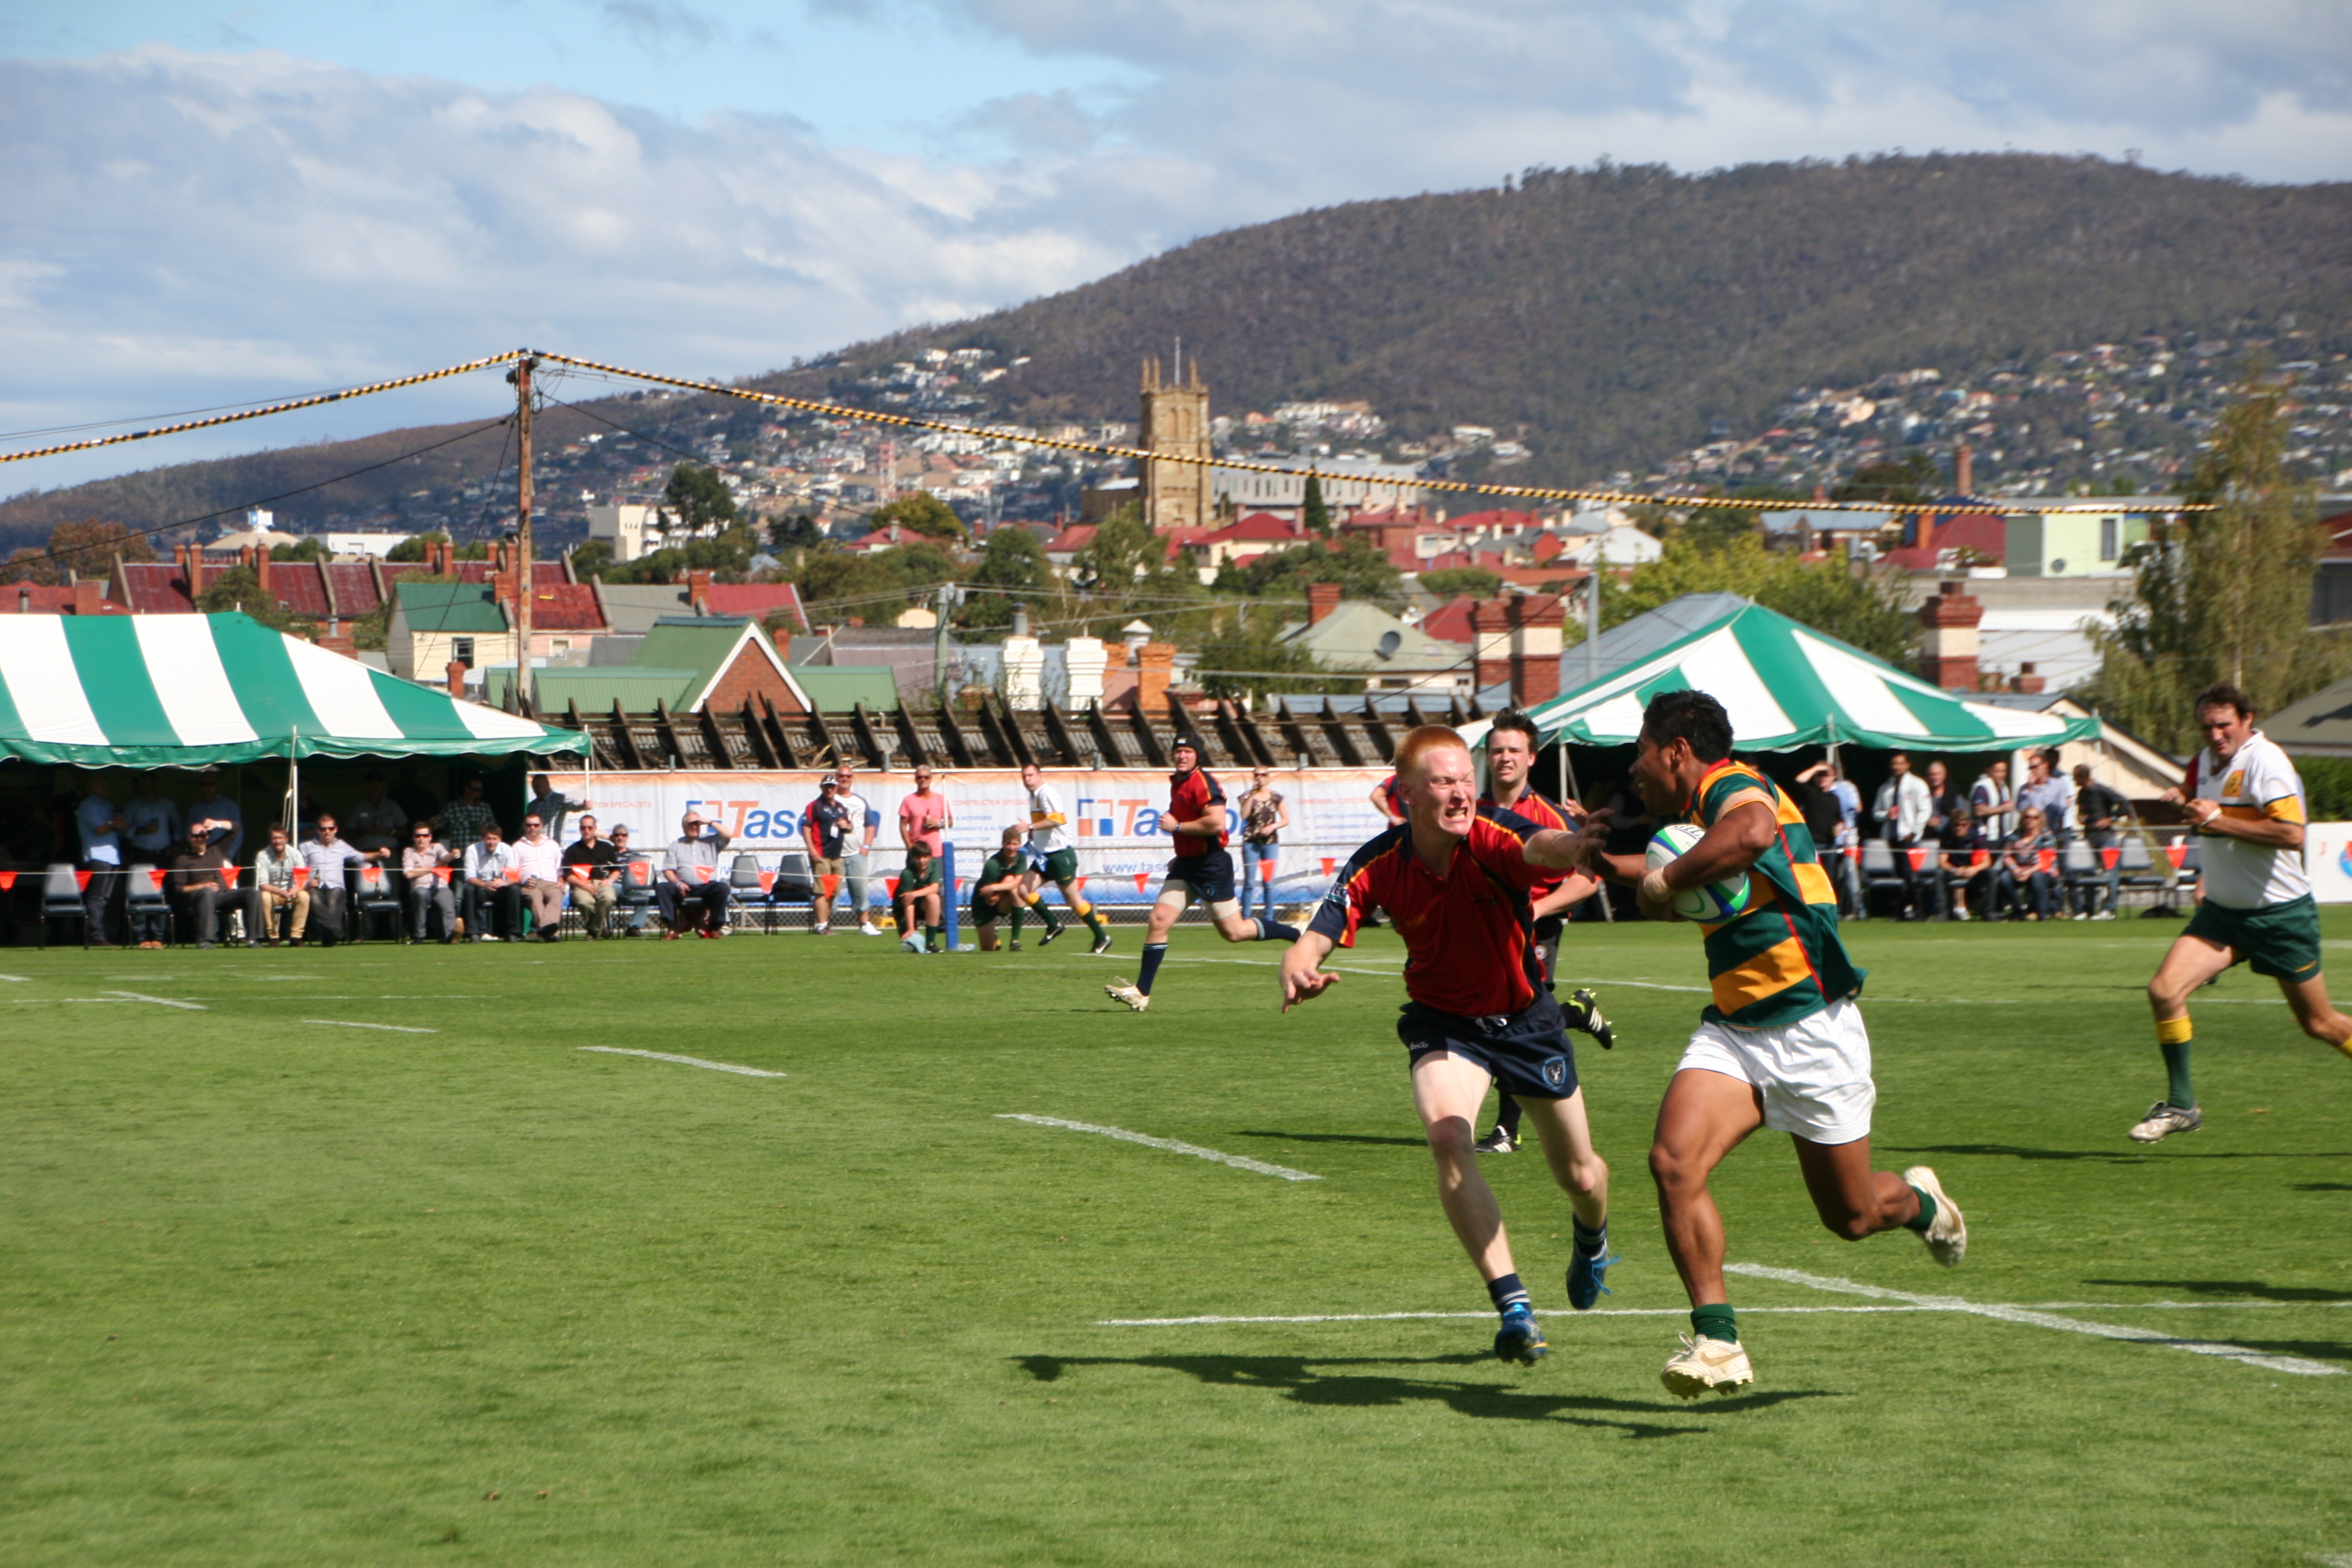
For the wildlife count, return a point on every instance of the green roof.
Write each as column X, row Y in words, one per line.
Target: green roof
column 697, row 643
column 1350, row 638
column 463, row 608
column 594, row 688
column 837, row 688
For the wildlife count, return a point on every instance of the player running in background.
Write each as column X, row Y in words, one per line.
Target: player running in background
column 1052, row 859
column 1510, row 762
column 1455, row 878
column 997, row 890
column 1783, row 1045
column 2245, row 799
column 1201, row 868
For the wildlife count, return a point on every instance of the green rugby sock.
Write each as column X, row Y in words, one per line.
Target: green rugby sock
column 2172, row 1035
column 1927, row 1215
column 1018, row 910
column 1714, row 1323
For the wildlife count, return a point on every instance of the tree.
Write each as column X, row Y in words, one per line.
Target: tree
column 1012, row 560
column 727, row 557
column 798, row 531
column 698, row 498
column 1312, row 511
column 1892, row 483
column 414, row 547
column 1125, row 549
column 836, row 583
column 87, row 548
column 239, row 588
column 592, row 557
column 1867, row 612
column 300, row 550
column 2224, row 595
column 1362, row 570
column 1454, row 580
column 1245, row 653
column 919, row 512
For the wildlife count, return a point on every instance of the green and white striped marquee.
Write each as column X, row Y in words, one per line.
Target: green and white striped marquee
column 1786, row 685
column 187, row 690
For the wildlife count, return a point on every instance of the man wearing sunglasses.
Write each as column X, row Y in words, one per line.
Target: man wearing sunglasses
column 690, row 876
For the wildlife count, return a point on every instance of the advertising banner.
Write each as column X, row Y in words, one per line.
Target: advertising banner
column 2328, row 856
column 1114, row 818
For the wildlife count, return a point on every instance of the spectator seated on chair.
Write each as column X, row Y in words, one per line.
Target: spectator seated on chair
column 540, row 862
column 592, row 870
column 919, row 900
column 491, row 898
column 328, row 857
column 2019, row 881
column 690, row 876
column 275, row 889
column 1958, row 845
column 422, row 863
column 377, row 822
column 199, row 885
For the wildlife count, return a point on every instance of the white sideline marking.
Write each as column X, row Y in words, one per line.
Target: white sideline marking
column 1238, row 1161
column 2026, row 1315
column 159, row 1001
column 688, row 1061
column 18, row 979
column 1678, row 1312
column 394, row 1028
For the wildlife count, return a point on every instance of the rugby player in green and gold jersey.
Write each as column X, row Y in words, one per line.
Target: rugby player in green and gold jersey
column 1782, row 1044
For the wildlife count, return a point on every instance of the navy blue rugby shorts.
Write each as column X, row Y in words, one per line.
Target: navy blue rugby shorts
column 1527, row 1053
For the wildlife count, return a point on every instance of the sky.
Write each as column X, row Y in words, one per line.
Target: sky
column 215, row 204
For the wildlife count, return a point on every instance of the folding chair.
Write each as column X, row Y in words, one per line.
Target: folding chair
column 378, row 895
column 637, row 899
column 2078, row 868
column 795, row 883
column 749, row 896
column 2135, row 871
column 61, row 901
column 1880, row 869
column 144, row 900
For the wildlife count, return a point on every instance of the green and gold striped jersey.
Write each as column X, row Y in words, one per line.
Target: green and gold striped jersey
column 1779, row 959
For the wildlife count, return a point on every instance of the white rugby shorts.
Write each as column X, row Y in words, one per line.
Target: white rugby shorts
column 1813, row 1075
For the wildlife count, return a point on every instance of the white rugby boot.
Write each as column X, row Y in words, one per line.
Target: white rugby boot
column 1120, row 991
column 1706, row 1366
column 1947, row 1234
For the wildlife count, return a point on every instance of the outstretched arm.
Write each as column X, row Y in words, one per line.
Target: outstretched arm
column 1303, row 978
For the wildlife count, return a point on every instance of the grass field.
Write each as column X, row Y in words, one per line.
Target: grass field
column 278, row 1291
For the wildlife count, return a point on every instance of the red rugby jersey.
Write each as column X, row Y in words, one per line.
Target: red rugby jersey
column 1189, row 795
column 1543, row 813
column 1469, row 935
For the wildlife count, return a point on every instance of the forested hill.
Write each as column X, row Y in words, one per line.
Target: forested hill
column 1605, row 318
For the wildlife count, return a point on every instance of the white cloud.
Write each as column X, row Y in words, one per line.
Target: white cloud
column 188, row 227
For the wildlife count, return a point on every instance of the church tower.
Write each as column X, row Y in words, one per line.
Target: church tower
column 1176, row 421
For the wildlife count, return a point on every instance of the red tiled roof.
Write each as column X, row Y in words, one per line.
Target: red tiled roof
column 36, row 598
column 544, row 574
column 301, row 586
column 1257, row 525
column 1071, row 540
column 566, row 607
column 355, row 591
column 156, row 588
column 761, row 599
column 1501, row 518
column 1985, row 533
column 1450, row 622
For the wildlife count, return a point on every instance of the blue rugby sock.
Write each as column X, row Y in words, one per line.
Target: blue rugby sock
column 1590, row 1241
column 1275, row 930
column 1153, row 953
column 1508, row 1293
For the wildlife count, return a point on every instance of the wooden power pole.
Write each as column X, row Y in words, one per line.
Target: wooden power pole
column 526, row 588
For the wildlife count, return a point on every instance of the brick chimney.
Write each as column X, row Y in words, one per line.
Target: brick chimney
column 261, row 570
column 697, row 591
column 1947, row 654
column 1490, row 636
column 337, row 637
column 88, row 597
column 1535, row 621
column 456, row 678
column 1322, row 598
column 1155, row 664
column 502, row 594
column 2026, row 680
column 1964, row 471
column 189, row 559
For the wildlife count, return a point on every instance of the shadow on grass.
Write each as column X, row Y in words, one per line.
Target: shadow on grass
column 2249, row 1288
column 2321, row 1188
column 1306, row 1381
column 2111, row 1156
column 1338, row 1137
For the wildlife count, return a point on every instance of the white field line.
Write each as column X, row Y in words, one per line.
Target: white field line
column 159, row 1001
column 2027, row 1316
column 17, row 979
column 389, row 1029
column 1238, row 1161
column 687, row 1061
column 1679, row 1312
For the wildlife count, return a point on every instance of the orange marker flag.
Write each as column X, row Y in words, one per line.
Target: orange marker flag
column 157, row 878
column 1978, row 858
column 767, row 882
column 892, row 883
column 81, row 881
column 2047, row 860
column 1918, row 861
column 1079, row 884
column 228, row 877
column 301, row 875
column 1140, row 878
column 446, row 873
column 2176, row 853
column 1328, row 864
column 2107, row 858
column 514, row 873
column 7, row 881
column 831, row 884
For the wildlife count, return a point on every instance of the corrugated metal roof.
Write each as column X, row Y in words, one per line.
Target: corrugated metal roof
column 1635, row 640
column 463, row 607
column 595, row 690
column 837, row 688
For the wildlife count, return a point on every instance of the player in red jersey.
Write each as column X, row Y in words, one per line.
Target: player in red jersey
column 1455, row 878
column 1510, row 762
column 1201, row 868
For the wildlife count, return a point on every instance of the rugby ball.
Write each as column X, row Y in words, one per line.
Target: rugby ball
column 1710, row 903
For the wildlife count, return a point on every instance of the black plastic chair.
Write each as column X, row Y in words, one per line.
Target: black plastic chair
column 61, row 901
column 379, row 895
column 144, row 900
column 1880, row 869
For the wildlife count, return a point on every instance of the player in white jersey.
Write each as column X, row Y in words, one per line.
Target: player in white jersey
column 1052, row 858
column 2245, row 800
